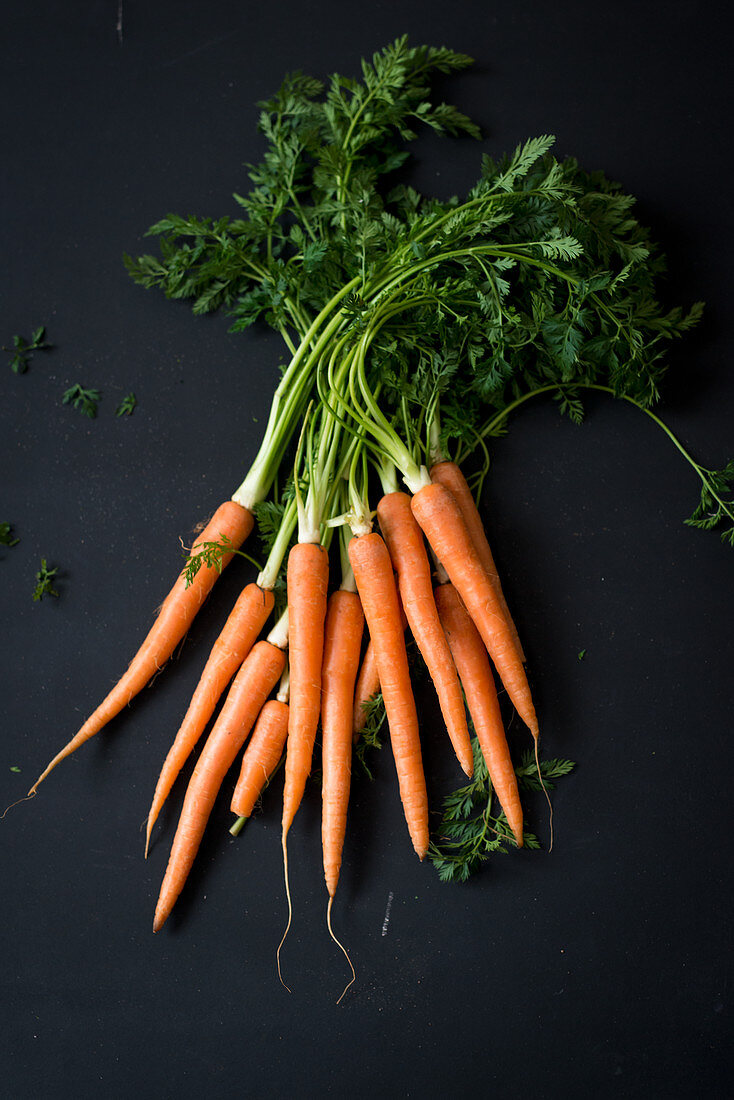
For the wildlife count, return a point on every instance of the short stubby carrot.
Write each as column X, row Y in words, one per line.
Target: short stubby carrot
column 472, row 662
column 261, row 756
column 443, row 525
column 449, row 475
column 239, row 634
column 250, row 688
column 373, row 572
column 342, row 645
column 405, row 542
column 230, row 522
column 308, row 582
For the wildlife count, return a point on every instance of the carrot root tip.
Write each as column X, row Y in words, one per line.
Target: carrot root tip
column 342, row 948
column 290, row 911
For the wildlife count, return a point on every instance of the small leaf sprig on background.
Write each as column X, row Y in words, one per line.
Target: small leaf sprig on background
column 6, row 536
column 85, row 400
column 126, row 406
column 44, row 582
column 23, row 350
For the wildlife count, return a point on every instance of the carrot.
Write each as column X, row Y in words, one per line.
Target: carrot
column 366, row 688
column 368, row 682
column 237, row 638
column 308, row 580
column 373, row 573
column 264, row 750
column 443, row 525
column 472, row 662
column 342, row 642
column 253, row 683
column 449, row 475
column 230, row 521
column 404, row 540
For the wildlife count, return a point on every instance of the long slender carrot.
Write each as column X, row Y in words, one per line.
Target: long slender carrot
column 450, row 475
column 342, row 643
column 261, row 756
column 373, row 573
column 404, row 540
column 239, row 634
column 440, row 517
column 231, row 522
column 472, row 662
column 253, row 683
column 308, row 580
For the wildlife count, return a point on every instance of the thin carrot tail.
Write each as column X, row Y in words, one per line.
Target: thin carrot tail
column 341, row 947
column 290, row 909
column 545, row 792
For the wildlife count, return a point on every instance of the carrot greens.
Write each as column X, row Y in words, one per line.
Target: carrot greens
column 471, row 830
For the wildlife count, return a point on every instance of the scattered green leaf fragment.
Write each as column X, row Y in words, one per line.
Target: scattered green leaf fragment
column 44, row 581
column 23, row 350
column 14, row 768
column 85, row 400
column 6, row 539
column 126, row 406
column 582, row 654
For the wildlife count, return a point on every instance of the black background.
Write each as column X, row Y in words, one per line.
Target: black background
column 603, row 968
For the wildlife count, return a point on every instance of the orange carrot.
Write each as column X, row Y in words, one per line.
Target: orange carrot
column 373, row 572
column 443, row 525
column 367, row 687
column 472, row 662
column 342, row 643
column 264, row 750
column 308, row 581
column 237, row 638
column 230, row 521
column 253, row 683
column 404, row 540
column 368, row 682
column 449, row 475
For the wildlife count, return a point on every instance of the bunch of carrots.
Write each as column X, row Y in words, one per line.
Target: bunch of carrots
column 312, row 658
column 414, row 329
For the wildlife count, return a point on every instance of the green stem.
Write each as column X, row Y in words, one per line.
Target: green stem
column 702, row 472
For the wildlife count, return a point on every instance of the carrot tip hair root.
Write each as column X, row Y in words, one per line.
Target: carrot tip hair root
column 342, row 948
column 26, row 798
column 290, row 911
column 545, row 792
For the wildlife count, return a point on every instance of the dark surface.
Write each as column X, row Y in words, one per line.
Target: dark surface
column 603, row 969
